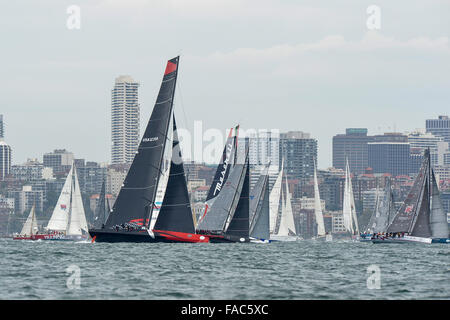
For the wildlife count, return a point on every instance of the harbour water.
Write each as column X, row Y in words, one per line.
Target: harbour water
column 291, row 270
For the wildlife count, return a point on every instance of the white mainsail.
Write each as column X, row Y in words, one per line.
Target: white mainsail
column 30, row 227
column 164, row 174
column 318, row 207
column 348, row 207
column 274, row 201
column 59, row 218
column 77, row 222
column 287, row 218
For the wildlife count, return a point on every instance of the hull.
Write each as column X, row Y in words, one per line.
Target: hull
column 111, row 236
column 283, row 238
column 52, row 237
column 365, row 238
column 227, row 239
column 255, row 240
column 325, row 238
column 405, row 239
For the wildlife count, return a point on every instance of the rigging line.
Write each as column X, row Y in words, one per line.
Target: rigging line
column 179, row 91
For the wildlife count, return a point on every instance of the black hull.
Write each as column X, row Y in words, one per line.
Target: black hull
column 227, row 239
column 136, row 236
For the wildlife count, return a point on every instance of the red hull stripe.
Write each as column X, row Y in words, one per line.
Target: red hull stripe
column 171, row 67
column 181, row 236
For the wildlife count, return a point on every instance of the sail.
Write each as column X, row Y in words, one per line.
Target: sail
column 287, row 224
column 403, row 220
column 259, row 207
column 275, row 201
column 379, row 220
column 77, row 223
column 59, row 218
column 347, row 203
column 136, row 202
column 239, row 222
column 318, row 207
column 176, row 213
column 30, row 226
column 100, row 212
column 220, row 213
column 223, row 169
column 438, row 219
column 352, row 205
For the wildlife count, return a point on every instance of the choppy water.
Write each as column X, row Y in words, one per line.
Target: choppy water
column 290, row 270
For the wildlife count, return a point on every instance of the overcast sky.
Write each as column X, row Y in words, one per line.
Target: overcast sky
column 288, row 65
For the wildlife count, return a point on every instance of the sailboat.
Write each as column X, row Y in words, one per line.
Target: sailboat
column 349, row 209
column 286, row 230
column 259, row 209
column 153, row 204
column 68, row 221
column 321, row 234
column 223, row 170
column 382, row 215
column 29, row 229
column 421, row 218
column 275, row 202
column 102, row 210
column 227, row 218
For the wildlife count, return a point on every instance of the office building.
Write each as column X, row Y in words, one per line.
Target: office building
column 389, row 157
column 5, row 159
column 439, row 127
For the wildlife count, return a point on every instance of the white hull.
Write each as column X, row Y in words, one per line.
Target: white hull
column 284, row 238
column 404, row 239
column 254, row 240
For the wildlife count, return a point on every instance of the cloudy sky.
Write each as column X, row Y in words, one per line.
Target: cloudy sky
column 312, row 66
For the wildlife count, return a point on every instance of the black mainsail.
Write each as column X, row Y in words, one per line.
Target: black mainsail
column 136, row 199
column 259, row 207
column 228, row 216
column 101, row 210
column 153, row 203
column 223, row 169
column 176, row 212
column 421, row 214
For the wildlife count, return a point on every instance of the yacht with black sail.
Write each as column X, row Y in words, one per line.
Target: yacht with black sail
column 383, row 213
column 421, row 218
column 153, row 203
column 226, row 217
column 260, row 209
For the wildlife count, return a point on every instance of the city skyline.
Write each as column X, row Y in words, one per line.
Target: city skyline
column 320, row 71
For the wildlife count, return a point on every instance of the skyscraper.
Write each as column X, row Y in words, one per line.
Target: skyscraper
column 5, row 159
column 125, row 123
column 1, row 127
column 351, row 145
column 439, row 127
column 5, row 153
column 299, row 152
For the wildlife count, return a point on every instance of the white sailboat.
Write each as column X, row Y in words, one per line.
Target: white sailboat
column 321, row 234
column 274, row 202
column 348, row 207
column 68, row 220
column 30, row 227
column 286, row 230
